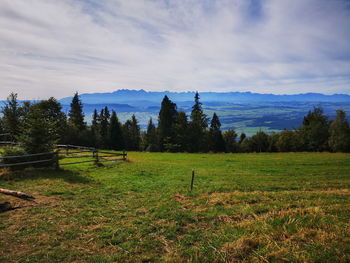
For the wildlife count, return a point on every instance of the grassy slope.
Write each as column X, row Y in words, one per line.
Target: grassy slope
column 262, row 207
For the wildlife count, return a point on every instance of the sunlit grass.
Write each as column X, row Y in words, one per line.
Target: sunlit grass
column 244, row 207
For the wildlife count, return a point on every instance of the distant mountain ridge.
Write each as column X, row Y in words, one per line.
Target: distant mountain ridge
column 139, row 97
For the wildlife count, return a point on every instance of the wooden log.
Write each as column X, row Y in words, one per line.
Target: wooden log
column 16, row 194
column 5, row 207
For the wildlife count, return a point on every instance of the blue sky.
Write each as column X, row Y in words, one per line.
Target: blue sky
column 54, row 48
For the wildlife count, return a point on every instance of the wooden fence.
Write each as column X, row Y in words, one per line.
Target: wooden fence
column 95, row 155
column 29, row 159
column 63, row 152
column 5, row 139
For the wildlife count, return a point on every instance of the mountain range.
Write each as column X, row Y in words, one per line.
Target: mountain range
column 141, row 97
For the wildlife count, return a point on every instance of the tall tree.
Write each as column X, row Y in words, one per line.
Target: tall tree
column 339, row 130
column 95, row 130
column 12, row 114
column 314, row 131
column 132, row 136
column 288, row 141
column 242, row 137
column 151, row 140
column 181, row 132
column 259, row 142
column 53, row 111
column 216, row 141
column 76, row 115
column 116, row 141
column 39, row 133
column 230, row 141
column 104, row 126
column 166, row 122
column 198, row 125
column 273, row 138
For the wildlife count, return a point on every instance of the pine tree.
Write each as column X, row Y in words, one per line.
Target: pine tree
column 104, row 126
column 151, row 140
column 181, row 132
column 198, row 125
column 53, row 111
column 1, row 127
column 95, row 130
column 230, row 141
column 39, row 133
column 314, row 131
column 12, row 114
column 259, row 142
column 242, row 137
column 272, row 138
column 132, row 136
column 115, row 133
column 288, row 141
column 135, row 133
column 76, row 115
column 166, row 123
column 339, row 130
column 216, row 141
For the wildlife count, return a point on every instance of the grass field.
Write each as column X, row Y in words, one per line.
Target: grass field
column 243, row 208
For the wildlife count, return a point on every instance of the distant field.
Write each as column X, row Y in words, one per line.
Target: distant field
column 247, row 118
column 243, row 208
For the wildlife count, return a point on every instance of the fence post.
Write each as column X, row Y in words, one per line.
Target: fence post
column 96, row 156
column 192, row 180
column 56, row 160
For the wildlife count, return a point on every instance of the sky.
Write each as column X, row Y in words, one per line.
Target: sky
column 57, row 47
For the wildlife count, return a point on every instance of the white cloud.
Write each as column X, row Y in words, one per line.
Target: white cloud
column 54, row 48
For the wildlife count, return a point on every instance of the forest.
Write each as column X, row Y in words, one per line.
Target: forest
column 38, row 126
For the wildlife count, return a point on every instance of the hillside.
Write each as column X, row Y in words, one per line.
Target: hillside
column 244, row 207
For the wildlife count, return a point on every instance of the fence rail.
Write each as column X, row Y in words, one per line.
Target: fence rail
column 96, row 155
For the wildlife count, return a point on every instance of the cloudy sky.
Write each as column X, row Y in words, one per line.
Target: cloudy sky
column 57, row 47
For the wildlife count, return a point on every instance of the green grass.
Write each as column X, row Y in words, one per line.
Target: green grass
column 244, row 207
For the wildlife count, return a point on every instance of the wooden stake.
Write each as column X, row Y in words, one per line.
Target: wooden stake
column 192, row 180
column 57, row 160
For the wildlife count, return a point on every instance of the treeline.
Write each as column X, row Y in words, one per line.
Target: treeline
column 38, row 126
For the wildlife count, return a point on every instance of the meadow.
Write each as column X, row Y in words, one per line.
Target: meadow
column 276, row 207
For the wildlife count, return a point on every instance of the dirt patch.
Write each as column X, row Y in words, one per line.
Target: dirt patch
column 40, row 200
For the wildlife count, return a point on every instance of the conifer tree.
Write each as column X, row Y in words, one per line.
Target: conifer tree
column 288, row 141
column 315, row 131
column 166, row 123
column 95, row 129
column 198, row 125
column 12, row 114
column 115, row 133
column 259, row 142
column 231, row 144
column 339, row 130
column 151, row 140
column 216, row 143
column 1, row 126
column 181, row 132
column 53, row 111
column 76, row 115
column 242, row 137
column 39, row 133
column 104, row 126
column 132, row 136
